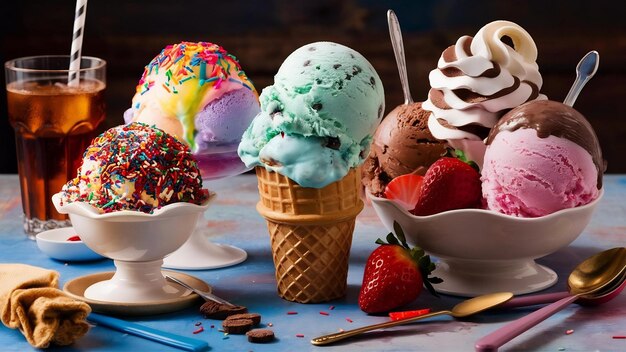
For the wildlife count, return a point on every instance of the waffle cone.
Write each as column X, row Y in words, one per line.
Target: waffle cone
column 311, row 234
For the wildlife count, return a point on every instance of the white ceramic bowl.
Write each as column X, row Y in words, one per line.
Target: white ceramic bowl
column 482, row 251
column 54, row 243
column 137, row 242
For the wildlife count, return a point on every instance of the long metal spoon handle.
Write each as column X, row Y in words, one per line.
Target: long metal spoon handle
column 332, row 338
column 203, row 294
column 398, row 51
column 585, row 69
column 493, row 341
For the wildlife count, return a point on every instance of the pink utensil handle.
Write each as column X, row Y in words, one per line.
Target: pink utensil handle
column 491, row 342
column 531, row 300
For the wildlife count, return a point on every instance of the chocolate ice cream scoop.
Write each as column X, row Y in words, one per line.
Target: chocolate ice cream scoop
column 402, row 144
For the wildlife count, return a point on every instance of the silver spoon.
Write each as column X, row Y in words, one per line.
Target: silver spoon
column 398, row 51
column 585, row 69
column 206, row 295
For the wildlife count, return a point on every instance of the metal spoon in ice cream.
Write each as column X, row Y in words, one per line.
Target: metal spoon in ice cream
column 585, row 69
column 398, row 51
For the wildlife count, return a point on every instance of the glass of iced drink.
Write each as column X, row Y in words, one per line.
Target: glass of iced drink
column 54, row 122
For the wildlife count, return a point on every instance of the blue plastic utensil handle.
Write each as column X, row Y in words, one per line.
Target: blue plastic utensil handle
column 166, row 338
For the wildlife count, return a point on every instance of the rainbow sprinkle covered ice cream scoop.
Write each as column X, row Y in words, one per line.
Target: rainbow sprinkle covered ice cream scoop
column 198, row 93
column 135, row 167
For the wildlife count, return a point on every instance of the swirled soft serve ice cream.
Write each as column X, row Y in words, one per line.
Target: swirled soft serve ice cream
column 478, row 80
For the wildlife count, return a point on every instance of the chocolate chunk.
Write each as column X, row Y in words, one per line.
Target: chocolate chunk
column 312, row 48
column 317, row 106
column 214, row 310
column 260, row 335
column 372, row 81
column 306, row 63
column 333, row 143
column 237, row 326
column 336, row 66
column 356, row 70
column 255, row 317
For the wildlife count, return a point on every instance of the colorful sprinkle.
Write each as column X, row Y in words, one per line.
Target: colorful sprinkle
column 619, row 337
column 291, row 312
column 331, row 308
column 569, row 332
column 349, row 320
column 324, row 313
column 199, row 330
column 299, row 335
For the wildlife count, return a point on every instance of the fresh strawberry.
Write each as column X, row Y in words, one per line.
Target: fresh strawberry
column 405, row 190
column 450, row 183
column 394, row 274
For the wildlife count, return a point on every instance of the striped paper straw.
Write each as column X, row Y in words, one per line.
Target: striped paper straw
column 77, row 43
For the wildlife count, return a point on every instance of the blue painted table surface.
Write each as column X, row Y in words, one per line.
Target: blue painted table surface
column 232, row 219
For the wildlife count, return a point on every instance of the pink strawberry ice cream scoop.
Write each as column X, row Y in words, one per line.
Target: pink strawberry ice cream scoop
column 541, row 157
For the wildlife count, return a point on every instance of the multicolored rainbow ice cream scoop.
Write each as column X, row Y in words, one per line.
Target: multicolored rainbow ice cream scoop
column 198, row 93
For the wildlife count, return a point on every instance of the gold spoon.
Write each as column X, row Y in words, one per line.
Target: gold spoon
column 591, row 276
column 463, row 309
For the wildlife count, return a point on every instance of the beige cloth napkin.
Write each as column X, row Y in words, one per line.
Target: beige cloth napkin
column 30, row 301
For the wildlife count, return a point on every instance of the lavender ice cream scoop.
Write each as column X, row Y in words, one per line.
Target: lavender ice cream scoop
column 218, row 123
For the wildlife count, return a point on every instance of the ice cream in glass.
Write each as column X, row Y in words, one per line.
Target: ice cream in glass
column 199, row 93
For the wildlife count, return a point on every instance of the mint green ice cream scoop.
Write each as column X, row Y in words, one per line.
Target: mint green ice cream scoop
column 318, row 118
